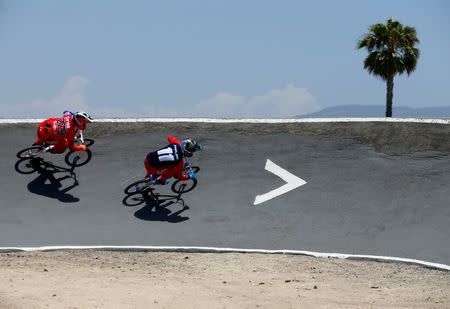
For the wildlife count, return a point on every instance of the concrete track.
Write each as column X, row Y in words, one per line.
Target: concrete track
column 356, row 200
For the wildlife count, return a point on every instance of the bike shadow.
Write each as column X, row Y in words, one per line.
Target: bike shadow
column 48, row 183
column 156, row 206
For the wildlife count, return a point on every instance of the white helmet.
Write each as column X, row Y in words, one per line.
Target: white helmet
column 83, row 115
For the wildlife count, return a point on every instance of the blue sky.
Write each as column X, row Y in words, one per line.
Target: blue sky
column 209, row 58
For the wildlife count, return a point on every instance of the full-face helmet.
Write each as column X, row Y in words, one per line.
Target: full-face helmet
column 189, row 146
column 81, row 119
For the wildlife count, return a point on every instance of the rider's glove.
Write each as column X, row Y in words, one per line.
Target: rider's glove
column 192, row 175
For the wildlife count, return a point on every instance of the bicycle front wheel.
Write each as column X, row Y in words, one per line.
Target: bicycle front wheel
column 184, row 186
column 78, row 158
column 88, row 142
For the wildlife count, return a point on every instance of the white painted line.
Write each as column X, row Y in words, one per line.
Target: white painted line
column 233, row 250
column 250, row 120
column 292, row 182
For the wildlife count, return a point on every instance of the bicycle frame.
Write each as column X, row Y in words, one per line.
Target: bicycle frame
column 187, row 165
column 80, row 136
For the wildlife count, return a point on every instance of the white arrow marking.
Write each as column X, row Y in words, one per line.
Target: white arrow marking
column 292, row 182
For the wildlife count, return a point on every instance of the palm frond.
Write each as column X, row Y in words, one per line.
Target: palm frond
column 391, row 49
column 410, row 60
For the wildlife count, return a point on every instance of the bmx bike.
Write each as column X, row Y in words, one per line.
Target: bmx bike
column 72, row 158
column 179, row 186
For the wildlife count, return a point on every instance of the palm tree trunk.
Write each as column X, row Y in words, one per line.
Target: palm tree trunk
column 389, row 95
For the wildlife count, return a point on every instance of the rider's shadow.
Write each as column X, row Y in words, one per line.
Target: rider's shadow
column 47, row 184
column 156, row 207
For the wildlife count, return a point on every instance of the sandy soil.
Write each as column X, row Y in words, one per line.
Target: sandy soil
column 111, row 279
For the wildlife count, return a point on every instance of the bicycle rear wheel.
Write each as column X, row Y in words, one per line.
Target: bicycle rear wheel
column 137, row 187
column 29, row 152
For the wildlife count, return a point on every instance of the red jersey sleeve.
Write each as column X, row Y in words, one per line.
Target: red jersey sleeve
column 70, row 136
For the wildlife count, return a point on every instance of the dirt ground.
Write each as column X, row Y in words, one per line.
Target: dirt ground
column 112, row 279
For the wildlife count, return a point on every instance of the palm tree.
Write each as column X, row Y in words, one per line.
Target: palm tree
column 391, row 52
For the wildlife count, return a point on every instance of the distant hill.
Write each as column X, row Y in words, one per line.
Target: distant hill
column 379, row 111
